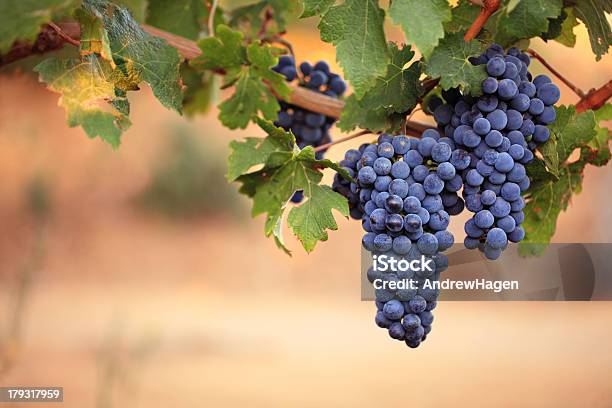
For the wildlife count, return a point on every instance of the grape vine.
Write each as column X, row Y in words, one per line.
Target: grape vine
column 497, row 144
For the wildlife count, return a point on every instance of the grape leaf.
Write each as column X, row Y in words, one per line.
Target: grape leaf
column 138, row 55
column 355, row 27
column 593, row 14
column 598, row 149
column 256, row 150
column 449, row 61
column 548, row 196
column 264, row 18
column 422, row 21
column 355, row 115
column 554, row 26
column 384, row 106
column 550, row 156
column 523, row 20
column 138, row 8
column 399, row 89
column 286, row 170
column 316, row 7
column 86, row 89
column 182, row 17
column 22, row 19
column 538, row 173
column 201, row 90
column 567, row 36
column 256, row 89
column 257, row 86
column 571, row 130
column 224, row 52
column 94, row 39
column 544, row 204
column 462, row 17
column 311, row 220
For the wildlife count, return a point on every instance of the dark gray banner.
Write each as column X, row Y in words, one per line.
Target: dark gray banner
column 563, row 272
column 31, row 394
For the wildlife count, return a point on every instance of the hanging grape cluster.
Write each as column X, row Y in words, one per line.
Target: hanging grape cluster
column 309, row 128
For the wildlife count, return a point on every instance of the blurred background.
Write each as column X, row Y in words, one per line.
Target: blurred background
column 136, row 278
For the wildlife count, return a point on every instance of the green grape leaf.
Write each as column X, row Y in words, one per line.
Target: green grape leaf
column 257, row 88
column 225, row 52
column 598, row 150
column 449, row 62
column 138, row 55
column 544, row 204
column 254, row 151
column 22, row 19
column 524, row 19
column 355, row 27
column 355, row 115
column 554, row 27
column 86, row 89
column 538, row 173
column 552, row 187
column 182, row 17
column 311, row 220
column 94, row 39
column 462, row 16
column 397, row 91
column 286, row 169
column 200, row 90
column 571, row 130
column 316, row 7
column 421, row 21
column 593, row 14
column 249, row 68
column 138, row 8
column 550, row 156
column 264, row 18
column 567, row 36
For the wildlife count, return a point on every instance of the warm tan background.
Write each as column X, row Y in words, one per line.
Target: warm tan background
column 127, row 306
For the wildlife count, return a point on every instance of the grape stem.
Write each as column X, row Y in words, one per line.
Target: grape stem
column 264, row 25
column 64, row 35
column 556, row 73
column 488, row 8
column 341, row 140
column 595, row 98
column 48, row 40
column 211, row 18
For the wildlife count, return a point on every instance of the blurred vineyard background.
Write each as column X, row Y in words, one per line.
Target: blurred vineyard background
column 136, row 278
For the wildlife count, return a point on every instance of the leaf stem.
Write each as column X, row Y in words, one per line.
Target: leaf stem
column 211, row 18
column 341, row 140
column 556, row 73
column 488, row 8
column 65, row 36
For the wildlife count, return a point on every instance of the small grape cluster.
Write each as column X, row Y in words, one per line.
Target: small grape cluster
column 309, row 128
column 494, row 136
column 400, row 186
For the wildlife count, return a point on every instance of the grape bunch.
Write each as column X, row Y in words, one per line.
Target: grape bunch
column 309, row 128
column 494, row 136
column 419, row 159
column 400, row 186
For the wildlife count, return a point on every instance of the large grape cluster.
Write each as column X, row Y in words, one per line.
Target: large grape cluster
column 400, row 186
column 420, row 160
column 309, row 128
column 494, row 136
